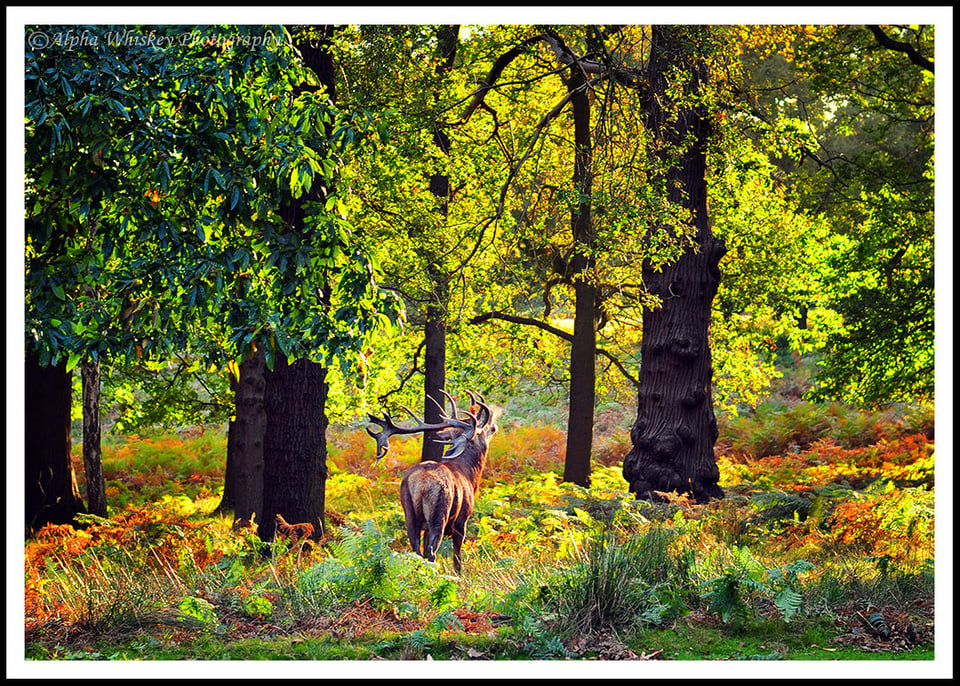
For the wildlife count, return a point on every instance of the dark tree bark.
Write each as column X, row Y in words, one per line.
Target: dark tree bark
column 52, row 496
column 434, row 377
column 675, row 431
column 92, row 454
column 435, row 326
column 583, row 348
column 295, row 448
column 243, row 476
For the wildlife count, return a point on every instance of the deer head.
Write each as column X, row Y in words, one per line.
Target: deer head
column 467, row 424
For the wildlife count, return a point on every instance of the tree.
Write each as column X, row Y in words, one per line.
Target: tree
column 294, row 439
column 92, row 464
column 583, row 346
column 407, row 75
column 158, row 175
column 51, row 493
column 586, row 77
column 102, row 256
column 675, row 430
column 871, row 168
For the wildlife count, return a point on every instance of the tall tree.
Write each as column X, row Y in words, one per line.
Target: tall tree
column 675, row 430
column 294, row 440
column 583, row 345
column 585, row 258
column 435, row 326
column 182, row 157
column 417, row 193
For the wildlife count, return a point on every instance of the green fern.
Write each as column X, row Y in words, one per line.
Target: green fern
column 363, row 568
column 725, row 597
column 787, row 598
column 788, row 602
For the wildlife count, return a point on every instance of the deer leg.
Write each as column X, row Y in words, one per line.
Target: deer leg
column 413, row 533
column 458, row 534
column 432, row 544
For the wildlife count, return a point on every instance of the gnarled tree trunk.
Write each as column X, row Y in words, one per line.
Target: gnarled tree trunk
column 675, row 431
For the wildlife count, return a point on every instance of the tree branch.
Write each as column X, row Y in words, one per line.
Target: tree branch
column 404, row 379
column 565, row 335
column 528, row 321
column 487, row 84
column 891, row 44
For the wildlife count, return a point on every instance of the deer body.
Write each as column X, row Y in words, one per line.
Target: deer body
column 438, row 497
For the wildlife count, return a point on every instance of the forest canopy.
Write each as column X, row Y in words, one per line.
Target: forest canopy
column 402, row 208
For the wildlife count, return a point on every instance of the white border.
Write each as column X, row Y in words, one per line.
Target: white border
column 942, row 16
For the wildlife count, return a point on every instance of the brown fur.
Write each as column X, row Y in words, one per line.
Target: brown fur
column 295, row 532
column 438, row 497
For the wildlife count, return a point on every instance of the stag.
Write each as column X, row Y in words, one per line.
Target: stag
column 438, row 497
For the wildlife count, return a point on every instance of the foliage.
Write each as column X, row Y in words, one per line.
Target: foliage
column 776, row 273
column 611, row 585
column 362, row 568
column 154, row 178
column 821, row 539
column 862, row 159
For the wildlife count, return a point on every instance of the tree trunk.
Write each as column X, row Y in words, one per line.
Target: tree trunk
column 294, row 446
column 92, row 454
column 51, row 494
column 434, row 377
column 583, row 349
column 295, row 395
column 435, row 327
column 675, row 430
column 243, row 476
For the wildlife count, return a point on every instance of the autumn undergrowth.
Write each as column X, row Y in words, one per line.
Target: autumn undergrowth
column 821, row 549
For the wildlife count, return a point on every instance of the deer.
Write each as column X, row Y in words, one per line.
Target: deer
column 438, row 497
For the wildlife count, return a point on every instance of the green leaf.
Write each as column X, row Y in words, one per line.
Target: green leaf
column 73, row 360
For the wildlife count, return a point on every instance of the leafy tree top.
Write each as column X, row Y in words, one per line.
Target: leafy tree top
column 157, row 159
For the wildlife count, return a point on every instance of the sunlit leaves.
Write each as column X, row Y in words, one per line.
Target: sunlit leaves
column 880, row 198
column 161, row 185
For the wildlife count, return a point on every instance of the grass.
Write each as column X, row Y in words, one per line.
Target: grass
column 821, row 551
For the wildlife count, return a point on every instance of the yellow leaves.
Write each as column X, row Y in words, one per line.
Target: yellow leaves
column 764, row 40
column 234, row 369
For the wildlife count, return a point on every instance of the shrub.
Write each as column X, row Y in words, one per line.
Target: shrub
column 361, row 567
column 614, row 582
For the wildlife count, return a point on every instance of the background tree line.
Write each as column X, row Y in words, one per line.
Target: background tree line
column 322, row 220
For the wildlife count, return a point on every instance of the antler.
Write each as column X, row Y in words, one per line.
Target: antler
column 487, row 413
column 388, row 428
